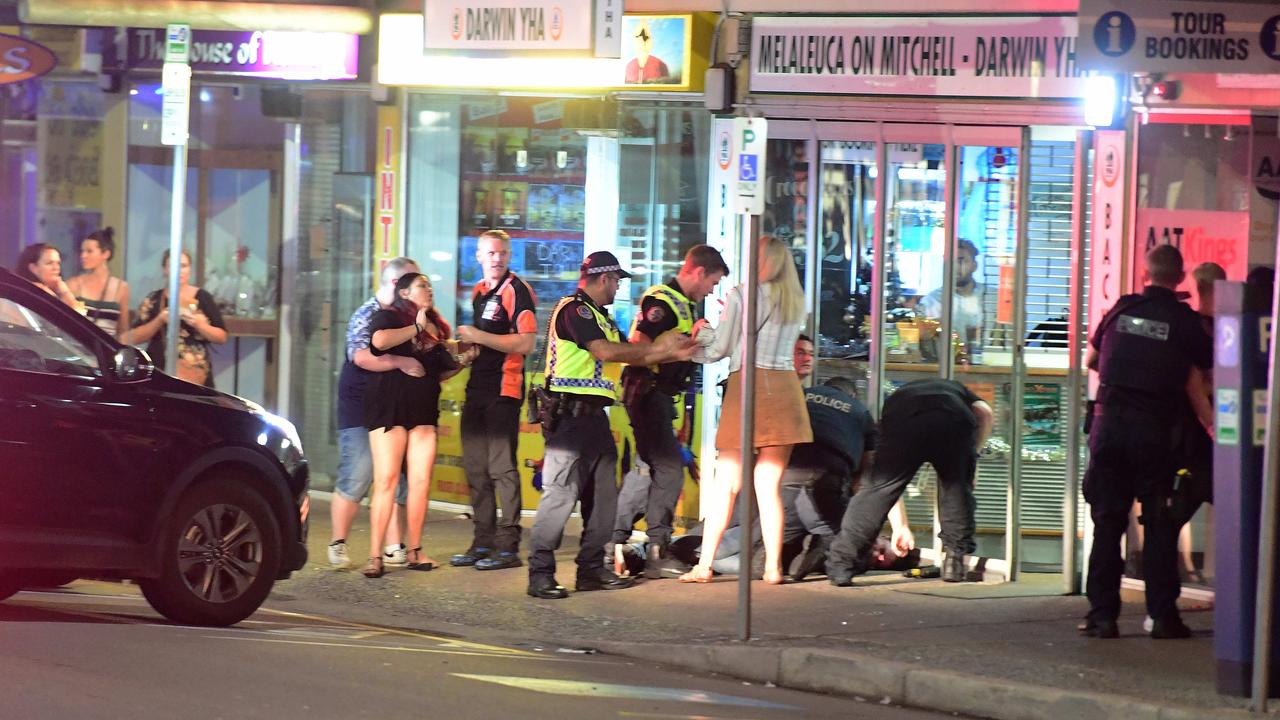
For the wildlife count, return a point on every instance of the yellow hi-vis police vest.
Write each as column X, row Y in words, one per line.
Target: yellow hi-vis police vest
column 571, row 369
column 681, row 306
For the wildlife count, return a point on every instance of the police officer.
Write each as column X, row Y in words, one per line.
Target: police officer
column 820, row 475
column 585, row 351
column 937, row 421
column 1144, row 350
column 649, row 393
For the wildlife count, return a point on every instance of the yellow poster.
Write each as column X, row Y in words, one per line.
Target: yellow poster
column 387, row 231
column 70, row 150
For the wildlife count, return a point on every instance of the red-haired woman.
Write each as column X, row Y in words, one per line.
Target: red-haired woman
column 401, row 411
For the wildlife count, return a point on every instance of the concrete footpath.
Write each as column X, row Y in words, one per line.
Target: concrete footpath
column 998, row 651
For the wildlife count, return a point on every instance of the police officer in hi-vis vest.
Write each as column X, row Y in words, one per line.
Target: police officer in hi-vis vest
column 649, row 393
column 585, row 352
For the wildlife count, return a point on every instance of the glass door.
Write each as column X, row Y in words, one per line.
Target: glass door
column 984, row 324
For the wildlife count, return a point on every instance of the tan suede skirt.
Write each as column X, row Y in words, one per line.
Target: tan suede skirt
column 781, row 415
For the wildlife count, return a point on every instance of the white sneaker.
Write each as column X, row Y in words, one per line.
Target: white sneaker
column 338, row 557
column 397, row 555
column 1147, row 624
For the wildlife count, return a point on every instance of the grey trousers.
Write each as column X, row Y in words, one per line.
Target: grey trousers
column 580, row 464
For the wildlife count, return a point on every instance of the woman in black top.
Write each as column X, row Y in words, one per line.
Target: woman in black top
column 401, row 411
column 201, row 326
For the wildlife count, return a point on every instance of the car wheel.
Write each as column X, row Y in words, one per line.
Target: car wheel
column 220, row 554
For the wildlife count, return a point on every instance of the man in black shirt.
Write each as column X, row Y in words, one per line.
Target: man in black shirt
column 649, row 395
column 504, row 326
column 1145, row 350
column 937, row 421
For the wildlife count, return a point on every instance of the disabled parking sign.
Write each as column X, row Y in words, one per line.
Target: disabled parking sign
column 750, row 136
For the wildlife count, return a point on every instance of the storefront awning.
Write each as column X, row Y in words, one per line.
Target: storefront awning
column 200, row 14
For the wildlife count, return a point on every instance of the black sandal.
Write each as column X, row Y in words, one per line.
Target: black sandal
column 419, row 566
column 374, row 568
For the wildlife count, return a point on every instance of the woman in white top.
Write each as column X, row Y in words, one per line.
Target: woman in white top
column 105, row 297
column 781, row 419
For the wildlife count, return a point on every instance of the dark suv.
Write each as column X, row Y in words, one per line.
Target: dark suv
column 111, row 469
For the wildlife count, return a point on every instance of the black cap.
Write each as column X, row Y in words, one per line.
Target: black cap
column 603, row 261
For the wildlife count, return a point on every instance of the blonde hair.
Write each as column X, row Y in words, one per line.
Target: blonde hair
column 778, row 270
column 1205, row 273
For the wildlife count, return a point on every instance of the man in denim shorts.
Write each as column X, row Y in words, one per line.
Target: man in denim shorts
column 355, row 461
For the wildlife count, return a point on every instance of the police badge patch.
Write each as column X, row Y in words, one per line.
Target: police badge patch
column 655, row 314
column 584, row 312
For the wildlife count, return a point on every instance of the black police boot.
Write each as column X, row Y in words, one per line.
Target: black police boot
column 603, row 580
column 1170, row 629
column 1101, row 629
column 813, row 558
column 953, row 567
column 546, row 588
column 659, row 563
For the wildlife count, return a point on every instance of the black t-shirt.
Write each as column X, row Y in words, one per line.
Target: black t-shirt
column 929, row 395
column 506, row 308
column 577, row 323
column 657, row 317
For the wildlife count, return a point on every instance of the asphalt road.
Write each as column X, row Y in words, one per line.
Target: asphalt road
column 96, row 650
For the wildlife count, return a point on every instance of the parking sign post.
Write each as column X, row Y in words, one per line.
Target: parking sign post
column 174, row 124
column 749, row 138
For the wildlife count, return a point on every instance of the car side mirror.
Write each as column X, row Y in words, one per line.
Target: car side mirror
column 131, row 364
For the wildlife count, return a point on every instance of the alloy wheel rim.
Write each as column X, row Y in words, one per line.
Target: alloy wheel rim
column 220, row 553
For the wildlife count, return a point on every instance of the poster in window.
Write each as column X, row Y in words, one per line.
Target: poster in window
column 655, row 49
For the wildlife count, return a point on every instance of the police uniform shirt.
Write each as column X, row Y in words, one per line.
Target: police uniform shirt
column 504, row 309
column 920, row 396
column 656, row 318
column 1151, row 343
column 842, row 431
column 576, row 322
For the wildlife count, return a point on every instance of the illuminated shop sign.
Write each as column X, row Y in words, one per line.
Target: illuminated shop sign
column 268, row 54
column 658, row 52
column 998, row 57
column 555, row 25
column 1179, row 36
column 21, row 59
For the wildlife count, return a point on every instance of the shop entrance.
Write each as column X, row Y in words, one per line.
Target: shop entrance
column 946, row 251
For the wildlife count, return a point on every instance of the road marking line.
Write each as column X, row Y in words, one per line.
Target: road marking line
column 580, row 688
column 397, row 648
column 444, row 641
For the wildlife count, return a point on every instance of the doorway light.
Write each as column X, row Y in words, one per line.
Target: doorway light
column 1101, row 100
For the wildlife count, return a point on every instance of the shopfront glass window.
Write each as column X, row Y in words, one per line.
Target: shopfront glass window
column 786, row 210
column 847, row 212
column 231, row 219
column 1194, row 167
column 915, row 244
column 661, row 194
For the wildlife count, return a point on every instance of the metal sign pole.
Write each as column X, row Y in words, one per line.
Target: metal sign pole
column 174, row 126
column 746, row 498
column 176, row 208
column 1263, row 616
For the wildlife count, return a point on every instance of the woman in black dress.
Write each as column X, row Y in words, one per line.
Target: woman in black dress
column 401, row 410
